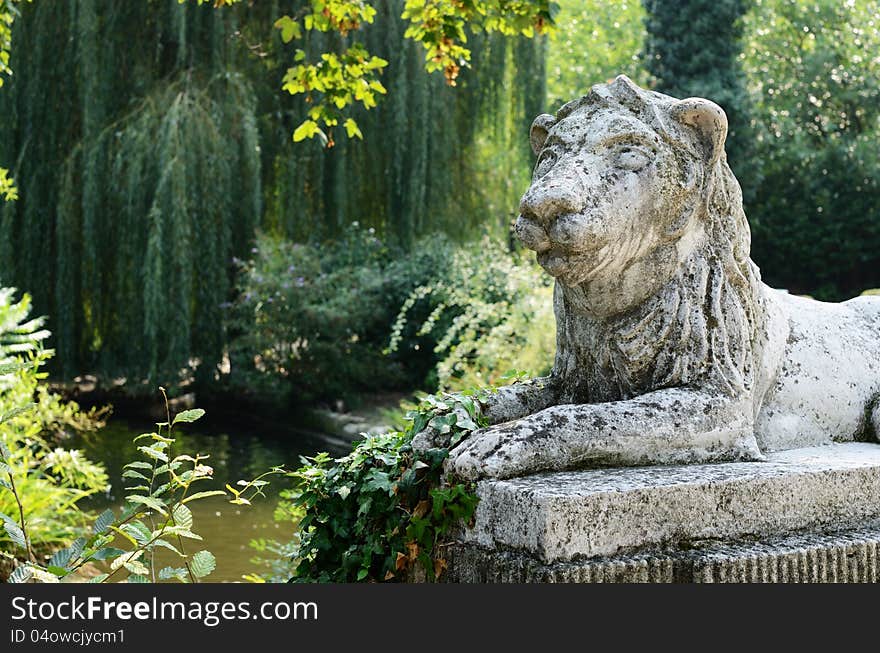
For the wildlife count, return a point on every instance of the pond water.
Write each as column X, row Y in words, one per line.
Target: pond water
column 241, row 454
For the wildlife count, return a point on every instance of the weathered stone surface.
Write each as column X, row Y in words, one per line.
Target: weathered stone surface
column 568, row 515
column 838, row 557
column 670, row 349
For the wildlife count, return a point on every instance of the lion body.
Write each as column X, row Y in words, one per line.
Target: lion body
column 669, row 346
column 827, row 383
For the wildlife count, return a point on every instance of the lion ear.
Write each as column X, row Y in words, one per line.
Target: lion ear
column 708, row 119
column 539, row 131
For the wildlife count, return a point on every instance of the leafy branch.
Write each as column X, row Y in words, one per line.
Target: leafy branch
column 350, row 76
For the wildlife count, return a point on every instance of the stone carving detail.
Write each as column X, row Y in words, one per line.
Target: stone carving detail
column 670, row 349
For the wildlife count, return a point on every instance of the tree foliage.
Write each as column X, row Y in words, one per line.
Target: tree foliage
column 594, row 42
column 692, row 50
column 123, row 233
column 8, row 12
column 350, row 74
column 166, row 142
column 815, row 82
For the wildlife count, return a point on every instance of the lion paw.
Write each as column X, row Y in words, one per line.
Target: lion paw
column 495, row 452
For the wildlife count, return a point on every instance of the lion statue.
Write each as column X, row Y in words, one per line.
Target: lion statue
column 670, row 349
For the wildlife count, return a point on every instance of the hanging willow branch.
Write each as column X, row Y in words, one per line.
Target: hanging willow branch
column 150, row 214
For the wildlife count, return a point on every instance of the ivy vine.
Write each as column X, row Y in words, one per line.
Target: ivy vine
column 385, row 512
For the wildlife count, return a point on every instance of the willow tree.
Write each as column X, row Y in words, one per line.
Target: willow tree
column 139, row 173
column 151, row 138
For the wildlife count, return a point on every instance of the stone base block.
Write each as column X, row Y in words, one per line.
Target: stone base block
column 845, row 557
column 807, row 515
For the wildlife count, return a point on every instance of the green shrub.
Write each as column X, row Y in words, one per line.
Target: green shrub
column 319, row 317
column 51, row 480
column 489, row 312
column 355, row 316
column 156, row 516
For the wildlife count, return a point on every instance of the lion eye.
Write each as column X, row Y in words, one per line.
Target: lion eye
column 545, row 162
column 633, row 160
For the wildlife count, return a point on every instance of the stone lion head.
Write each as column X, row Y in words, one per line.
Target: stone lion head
column 628, row 183
column 635, row 212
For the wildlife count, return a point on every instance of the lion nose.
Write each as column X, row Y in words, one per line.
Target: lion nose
column 546, row 201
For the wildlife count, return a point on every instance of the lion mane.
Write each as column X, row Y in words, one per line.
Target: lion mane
column 703, row 328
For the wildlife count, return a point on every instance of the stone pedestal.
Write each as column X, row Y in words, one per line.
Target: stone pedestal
column 804, row 515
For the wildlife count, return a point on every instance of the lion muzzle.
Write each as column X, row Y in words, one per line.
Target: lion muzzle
column 531, row 234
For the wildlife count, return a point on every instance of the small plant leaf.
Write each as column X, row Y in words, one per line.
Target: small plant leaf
column 182, row 532
column 188, row 416
column 167, row 573
column 60, row 558
column 167, row 545
column 21, row 574
column 308, row 129
column 204, row 495
column 15, row 534
column 137, row 567
column 154, row 453
column 139, row 464
column 202, row 564
column 125, row 558
column 150, row 502
column 102, row 523
column 106, row 553
column 138, row 531
column 183, row 517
